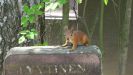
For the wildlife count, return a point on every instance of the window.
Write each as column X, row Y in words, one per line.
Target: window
column 57, row 14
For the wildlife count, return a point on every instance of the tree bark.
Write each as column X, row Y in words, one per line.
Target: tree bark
column 84, row 18
column 66, row 14
column 9, row 27
column 101, row 26
column 65, row 18
column 42, row 26
column 124, row 38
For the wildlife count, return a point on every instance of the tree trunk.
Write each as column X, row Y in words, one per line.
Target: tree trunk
column 84, row 17
column 9, row 27
column 101, row 26
column 124, row 38
column 65, row 16
column 42, row 26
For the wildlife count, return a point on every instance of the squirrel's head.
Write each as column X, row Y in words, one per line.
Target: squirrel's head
column 68, row 32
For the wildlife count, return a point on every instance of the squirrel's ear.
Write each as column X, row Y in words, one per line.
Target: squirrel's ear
column 65, row 28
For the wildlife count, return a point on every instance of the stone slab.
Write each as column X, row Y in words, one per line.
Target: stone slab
column 53, row 60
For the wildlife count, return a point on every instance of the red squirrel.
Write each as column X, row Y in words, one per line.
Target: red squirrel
column 75, row 37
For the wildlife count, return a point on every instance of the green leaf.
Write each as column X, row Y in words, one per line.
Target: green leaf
column 49, row 6
column 26, row 8
column 54, row 6
column 32, row 19
column 79, row 1
column 38, row 12
column 34, row 7
column 24, row 21
column 30, row 35
column 105, row 2
column 21, row 39
column 46, row 0
column 23, row 32
column 62, row 1
column 34, row 31
column 30, row 11
column 41, row 5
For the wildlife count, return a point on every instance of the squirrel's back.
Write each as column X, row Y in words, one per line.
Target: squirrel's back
column 80, row 37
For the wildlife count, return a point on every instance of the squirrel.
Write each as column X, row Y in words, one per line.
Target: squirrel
column 75, row 37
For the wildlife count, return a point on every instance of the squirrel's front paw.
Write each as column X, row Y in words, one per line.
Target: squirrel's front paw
column 63, row 45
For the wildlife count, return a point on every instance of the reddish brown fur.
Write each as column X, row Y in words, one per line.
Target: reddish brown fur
column 76, row 37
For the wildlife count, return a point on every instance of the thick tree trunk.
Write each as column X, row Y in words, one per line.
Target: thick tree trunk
column 9, row 27
column 124, row 38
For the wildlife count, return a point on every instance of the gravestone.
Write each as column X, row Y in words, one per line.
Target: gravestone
column 53, row 60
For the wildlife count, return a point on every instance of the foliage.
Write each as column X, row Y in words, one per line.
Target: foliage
column 30, row 15
column 44, row 44
column 105, row 2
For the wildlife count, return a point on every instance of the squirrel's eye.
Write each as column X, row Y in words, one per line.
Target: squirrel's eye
column 67, row 39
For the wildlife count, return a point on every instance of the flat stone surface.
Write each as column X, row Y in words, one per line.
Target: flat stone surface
column 53, row 50
column 53, row 60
